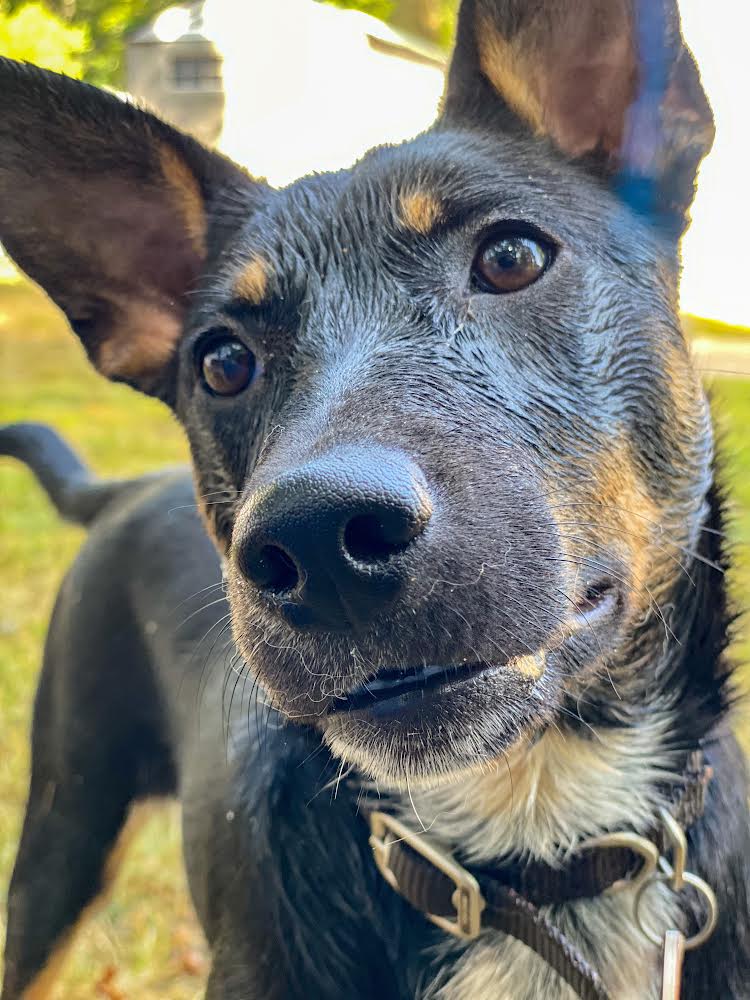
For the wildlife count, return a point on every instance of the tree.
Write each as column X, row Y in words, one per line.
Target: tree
column 377, row 8
column 106, row 24
column 430, row 19
column 34, row 33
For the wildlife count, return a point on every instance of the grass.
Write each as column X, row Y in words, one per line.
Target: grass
column 697, row 326
column 144, row 943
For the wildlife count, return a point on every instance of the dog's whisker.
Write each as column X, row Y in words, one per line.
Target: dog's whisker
column 203, row 590
column 200, row 610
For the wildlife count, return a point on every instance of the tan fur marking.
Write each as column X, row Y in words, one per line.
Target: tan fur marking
column 43, row 985
column 632, row 515
column 187, row 196
column 611, row 510
column 532, row 666
column 508, row 72
column 141, row 342
column 419, row 210
column 252, row 282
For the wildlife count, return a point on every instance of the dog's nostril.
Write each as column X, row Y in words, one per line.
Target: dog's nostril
column 366, row 540
column 271, row 569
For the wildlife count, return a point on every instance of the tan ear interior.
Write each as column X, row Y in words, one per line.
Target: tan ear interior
column 570, row 74
column 144, row 332
column 140, row 342
column 185, row 192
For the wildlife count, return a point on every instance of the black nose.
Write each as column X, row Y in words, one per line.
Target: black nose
column 325, row 542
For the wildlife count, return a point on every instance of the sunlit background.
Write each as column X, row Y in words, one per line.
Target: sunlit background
column 285, row 87
column 290, row 86
column 316, row 97
column 716, row 279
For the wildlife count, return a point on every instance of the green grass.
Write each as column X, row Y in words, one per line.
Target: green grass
column 731, row 405
column 697, row 326
column 145, row 935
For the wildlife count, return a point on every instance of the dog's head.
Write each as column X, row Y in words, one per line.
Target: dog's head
column 442, row 415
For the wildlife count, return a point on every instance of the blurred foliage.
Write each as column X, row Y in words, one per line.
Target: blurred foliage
column 431, row 19
column 103, row 26
column 33, row 32
column 377, row 8
column 87, row 37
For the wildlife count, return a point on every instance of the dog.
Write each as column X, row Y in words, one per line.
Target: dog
column 471, row 734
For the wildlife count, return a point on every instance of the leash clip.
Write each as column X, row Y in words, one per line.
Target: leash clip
column 385, row 831
column 672, row 961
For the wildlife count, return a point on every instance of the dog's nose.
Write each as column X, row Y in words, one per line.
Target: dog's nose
column 326, row 542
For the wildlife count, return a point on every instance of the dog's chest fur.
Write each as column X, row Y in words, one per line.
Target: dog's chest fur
column 543, row 801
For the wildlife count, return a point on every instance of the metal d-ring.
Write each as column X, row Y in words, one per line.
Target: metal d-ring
column 695, row 882
column 675, row 837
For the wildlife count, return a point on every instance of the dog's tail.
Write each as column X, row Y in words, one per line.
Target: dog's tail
column 71, row 486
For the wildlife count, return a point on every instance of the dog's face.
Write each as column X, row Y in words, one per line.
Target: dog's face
column 441, row 411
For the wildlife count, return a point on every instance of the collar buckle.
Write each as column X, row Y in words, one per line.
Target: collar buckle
column 634, row 842
column 467, row 898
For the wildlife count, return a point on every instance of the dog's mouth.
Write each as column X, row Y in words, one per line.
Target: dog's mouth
column 397, row 688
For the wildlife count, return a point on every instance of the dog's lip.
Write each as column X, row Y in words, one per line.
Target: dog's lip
column 395, row 689
column 401, row 686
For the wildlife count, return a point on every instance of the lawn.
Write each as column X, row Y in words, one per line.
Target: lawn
column 144, row 943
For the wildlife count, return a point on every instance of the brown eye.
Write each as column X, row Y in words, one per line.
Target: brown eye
column 226, row 365
column 509, row 263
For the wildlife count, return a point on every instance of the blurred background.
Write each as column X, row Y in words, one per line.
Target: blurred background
column 285, row 87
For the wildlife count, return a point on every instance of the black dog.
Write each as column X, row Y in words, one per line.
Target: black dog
column 449, row 442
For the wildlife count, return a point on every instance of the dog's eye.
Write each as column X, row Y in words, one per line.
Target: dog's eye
column 225, row 364
column 510, row 262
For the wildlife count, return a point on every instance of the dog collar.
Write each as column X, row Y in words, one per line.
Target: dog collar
column 465, row 901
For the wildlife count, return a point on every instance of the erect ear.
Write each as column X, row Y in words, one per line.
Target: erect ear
column 108, row 209
column 610, row 81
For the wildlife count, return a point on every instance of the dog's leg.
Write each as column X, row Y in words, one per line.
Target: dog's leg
column 75, row 813
column 52, row 895
column 93, row 755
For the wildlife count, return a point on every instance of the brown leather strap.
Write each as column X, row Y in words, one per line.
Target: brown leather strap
column 514, row 893
column 430, row 891
column 690, row 799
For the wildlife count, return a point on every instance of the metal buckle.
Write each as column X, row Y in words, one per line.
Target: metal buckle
column 638, row 845
column 467, row 897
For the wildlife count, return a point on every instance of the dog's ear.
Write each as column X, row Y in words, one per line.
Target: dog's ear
column 607, row 81
column 108, row 209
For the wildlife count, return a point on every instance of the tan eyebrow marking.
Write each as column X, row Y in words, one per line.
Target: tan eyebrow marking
column 419, row 210
column 252, row 282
